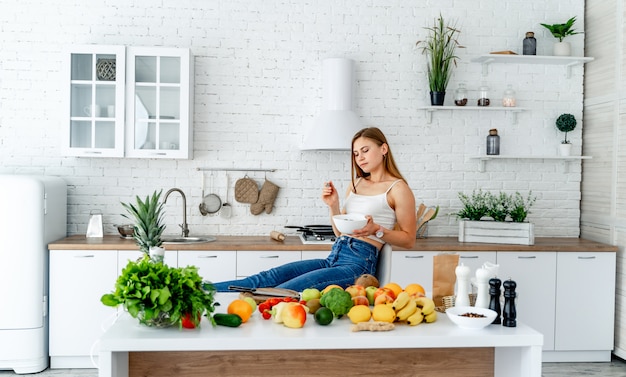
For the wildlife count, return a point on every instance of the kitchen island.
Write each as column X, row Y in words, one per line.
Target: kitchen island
column 264, row 348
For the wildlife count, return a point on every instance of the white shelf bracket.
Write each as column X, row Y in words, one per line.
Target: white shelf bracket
column 568, row 68
column 429, row 116
column 485, row 66
column 481, row 166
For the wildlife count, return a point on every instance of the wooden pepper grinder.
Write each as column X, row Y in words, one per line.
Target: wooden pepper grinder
column 494, row 302
column 509, row 314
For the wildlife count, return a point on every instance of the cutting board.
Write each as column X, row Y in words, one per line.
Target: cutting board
column 262, row 294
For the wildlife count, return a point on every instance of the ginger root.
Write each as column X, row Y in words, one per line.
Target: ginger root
column 373, row 326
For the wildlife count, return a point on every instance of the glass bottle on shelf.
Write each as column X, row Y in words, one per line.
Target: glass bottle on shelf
column 508, row 100
column 483, row 98
column 529, row 44
column 493, row 142
column 460, row 95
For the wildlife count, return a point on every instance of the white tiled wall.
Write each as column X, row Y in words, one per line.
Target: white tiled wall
column 257, row 74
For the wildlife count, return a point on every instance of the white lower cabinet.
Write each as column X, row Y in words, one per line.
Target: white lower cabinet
column 252, row 262
column 535, row 276
column 78, row 278
column 308, row 254
column 213, row 266
column 413, row 267
column 585, row 303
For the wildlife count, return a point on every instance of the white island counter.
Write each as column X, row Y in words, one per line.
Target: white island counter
column 263, row 348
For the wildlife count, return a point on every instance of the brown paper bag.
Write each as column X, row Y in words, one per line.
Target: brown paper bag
column 444, row 276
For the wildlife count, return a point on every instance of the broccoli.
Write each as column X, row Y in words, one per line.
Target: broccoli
column 338, row 301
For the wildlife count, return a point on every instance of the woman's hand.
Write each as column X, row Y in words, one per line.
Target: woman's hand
column 330, row 196
column 369, row 229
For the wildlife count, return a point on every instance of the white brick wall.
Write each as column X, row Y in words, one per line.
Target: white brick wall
column 258, row 85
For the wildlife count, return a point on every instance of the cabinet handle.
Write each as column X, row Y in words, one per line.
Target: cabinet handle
column 469, row 257
column 270, row 256
column 526, row 257
column 414, row 256
column 592, row 257
column 207, row 256
column 84, row 256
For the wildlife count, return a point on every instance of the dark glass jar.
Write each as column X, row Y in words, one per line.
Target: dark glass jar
column 493, row 142
column 529, row 44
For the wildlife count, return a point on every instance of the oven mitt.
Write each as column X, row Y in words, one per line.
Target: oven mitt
column 246, row 190
column 267, row 196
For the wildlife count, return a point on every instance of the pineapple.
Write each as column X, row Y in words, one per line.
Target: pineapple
column 148, row 221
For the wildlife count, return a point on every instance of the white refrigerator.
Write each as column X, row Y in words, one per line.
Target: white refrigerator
column 33, row 213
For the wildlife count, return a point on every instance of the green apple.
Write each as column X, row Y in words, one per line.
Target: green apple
column 369, row 293
column 250, row 301
column 310, row 293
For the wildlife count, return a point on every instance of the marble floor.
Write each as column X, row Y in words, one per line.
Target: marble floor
column 616, row 368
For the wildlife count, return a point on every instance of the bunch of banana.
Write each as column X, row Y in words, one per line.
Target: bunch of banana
column 414, row 310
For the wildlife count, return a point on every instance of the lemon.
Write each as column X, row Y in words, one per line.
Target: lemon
column 360, row 313
column 383, row 313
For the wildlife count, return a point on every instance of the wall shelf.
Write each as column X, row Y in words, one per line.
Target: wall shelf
column 567, row 61
column 513, row 110
column 483, row 159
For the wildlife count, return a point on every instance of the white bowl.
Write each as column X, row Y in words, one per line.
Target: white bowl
column 349, row 223
column 455, row 316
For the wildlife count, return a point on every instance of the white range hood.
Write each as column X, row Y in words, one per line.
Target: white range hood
column 334, row 128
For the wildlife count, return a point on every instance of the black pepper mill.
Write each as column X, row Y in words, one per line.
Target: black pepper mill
column 509, row 314
column 494, row 302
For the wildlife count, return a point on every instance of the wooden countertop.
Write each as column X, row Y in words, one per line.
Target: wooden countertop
column 293, row 243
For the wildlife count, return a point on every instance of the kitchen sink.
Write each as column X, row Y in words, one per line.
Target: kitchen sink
column 174, row 240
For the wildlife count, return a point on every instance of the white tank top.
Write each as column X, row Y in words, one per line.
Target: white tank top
column 374, row 205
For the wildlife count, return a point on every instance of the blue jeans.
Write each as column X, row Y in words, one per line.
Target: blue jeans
column 348, row 259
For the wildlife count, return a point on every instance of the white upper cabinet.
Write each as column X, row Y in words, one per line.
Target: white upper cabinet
column 94, row 121
column 159, row 102
column 129, row 102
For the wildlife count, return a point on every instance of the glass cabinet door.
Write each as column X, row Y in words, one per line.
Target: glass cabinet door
column 96, row 78
column 159, row 103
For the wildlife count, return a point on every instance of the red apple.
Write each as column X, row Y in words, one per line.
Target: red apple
column 386, row 291
column 356, row 290
column 360, row 300
column 294, row 315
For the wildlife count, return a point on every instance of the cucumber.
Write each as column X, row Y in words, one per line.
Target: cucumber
column 230, row 320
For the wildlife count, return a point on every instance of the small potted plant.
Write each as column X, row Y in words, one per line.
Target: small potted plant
column 565, row 123
column 440, row 47
column 560, row 31
column 520, row 207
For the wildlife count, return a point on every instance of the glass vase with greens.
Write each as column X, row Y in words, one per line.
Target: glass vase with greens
column 440, row 48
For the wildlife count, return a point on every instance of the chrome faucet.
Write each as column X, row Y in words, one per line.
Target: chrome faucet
column 184, row 225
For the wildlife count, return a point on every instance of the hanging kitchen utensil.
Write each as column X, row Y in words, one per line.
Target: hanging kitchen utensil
column 202, row 207
column 212, row 202
column 246, row 190
column 226, row 207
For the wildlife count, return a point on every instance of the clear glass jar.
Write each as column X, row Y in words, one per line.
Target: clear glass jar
column 483, row 97
column 460, row 95
column 508, row 99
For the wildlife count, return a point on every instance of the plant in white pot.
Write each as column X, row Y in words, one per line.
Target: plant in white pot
column 440, row 48
column 565, row 123
column 560, row 31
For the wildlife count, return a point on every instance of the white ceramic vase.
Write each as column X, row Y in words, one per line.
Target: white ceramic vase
column 562, row 49
column 565, row 149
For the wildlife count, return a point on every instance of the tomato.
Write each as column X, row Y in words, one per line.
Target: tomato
column 187, row 323
column 267, row 314
column 263, row 307
column 273, row 301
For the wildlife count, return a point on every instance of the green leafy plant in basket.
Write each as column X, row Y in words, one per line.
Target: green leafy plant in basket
column 520, row 207
column 475, row 207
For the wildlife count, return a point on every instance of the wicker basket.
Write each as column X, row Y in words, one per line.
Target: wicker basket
column 449, row 301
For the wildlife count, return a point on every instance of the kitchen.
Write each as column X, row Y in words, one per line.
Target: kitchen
column 258, row 89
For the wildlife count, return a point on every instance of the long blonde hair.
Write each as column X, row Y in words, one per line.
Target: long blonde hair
column 377, row 136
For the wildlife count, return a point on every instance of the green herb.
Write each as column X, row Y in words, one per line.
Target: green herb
column 158, row 294
column 520, row 208
column 474, row 207
column 498, row 207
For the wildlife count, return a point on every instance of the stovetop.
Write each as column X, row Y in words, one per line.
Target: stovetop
column 309, row 239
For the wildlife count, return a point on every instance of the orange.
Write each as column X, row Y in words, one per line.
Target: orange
column 241, row 308
column 395, row 287
column 414, row 288
column 329, row 287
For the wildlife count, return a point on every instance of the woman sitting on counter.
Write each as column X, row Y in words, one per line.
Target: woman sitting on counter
column 378, row 190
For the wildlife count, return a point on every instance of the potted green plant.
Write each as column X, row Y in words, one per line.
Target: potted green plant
column 440, row 48
column 520, row 207
column 560, row 31
column 565, row 123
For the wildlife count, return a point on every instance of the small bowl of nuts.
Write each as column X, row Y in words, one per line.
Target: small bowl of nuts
column 470, row 317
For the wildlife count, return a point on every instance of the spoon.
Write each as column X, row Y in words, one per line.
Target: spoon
column 226, row 207
column 427, row 216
